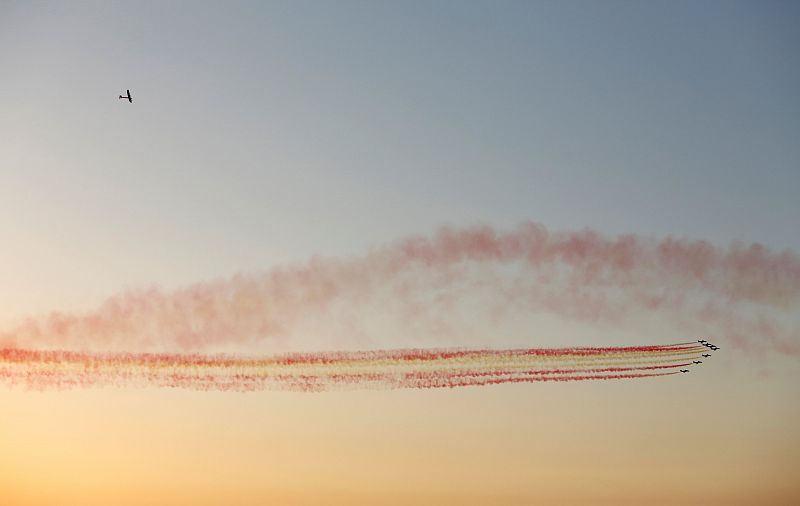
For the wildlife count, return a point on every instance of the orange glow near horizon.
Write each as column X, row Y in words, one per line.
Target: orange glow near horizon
column 621, row 443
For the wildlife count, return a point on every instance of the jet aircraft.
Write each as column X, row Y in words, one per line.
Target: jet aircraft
column 684, row 370
column 130, row 100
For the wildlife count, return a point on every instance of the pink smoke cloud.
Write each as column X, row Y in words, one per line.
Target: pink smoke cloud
column 746, row 294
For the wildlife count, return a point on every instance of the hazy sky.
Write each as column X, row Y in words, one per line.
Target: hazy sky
column 262, row 133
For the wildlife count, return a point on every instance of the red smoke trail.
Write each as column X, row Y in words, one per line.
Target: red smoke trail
column 14, row 355
column 745, row 294
column 551, row 371
column 324, row 371
column 455, row 382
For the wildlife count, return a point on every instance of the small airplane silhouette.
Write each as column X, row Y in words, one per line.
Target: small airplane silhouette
column 702, row 341
column 706, row 355
column 715, row 348
column 684, row 370
column 698, row 362
column 128, row 97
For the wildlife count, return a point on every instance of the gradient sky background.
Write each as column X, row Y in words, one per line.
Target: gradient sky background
column 265, row 133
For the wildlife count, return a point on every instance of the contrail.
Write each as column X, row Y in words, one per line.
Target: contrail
column 380, row 369
column 744, row 294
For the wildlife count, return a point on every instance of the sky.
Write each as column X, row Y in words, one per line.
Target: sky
column 265, row 134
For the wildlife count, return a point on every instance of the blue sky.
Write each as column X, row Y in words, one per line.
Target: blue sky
column 262, row 133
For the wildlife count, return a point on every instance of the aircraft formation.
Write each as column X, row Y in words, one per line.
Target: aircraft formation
column 708, row 345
